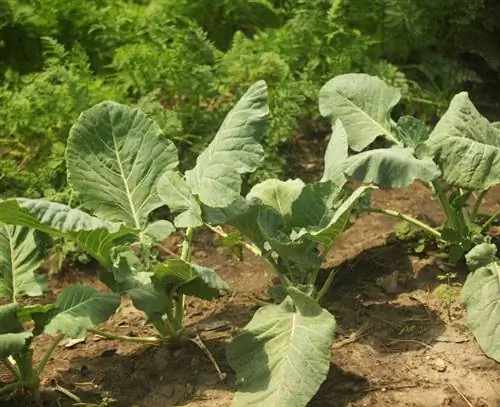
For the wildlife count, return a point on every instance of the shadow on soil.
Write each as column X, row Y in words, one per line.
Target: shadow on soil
column 372, row 305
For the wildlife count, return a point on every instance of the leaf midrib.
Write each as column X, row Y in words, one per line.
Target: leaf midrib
column 12, row 268
column 384, row 130
column 285, row 359
column 124, row 179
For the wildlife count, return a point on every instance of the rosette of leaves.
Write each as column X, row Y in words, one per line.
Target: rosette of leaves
column 292, row 225
column 121, row 167
column 461, row 155
column 76, row 309
column 457, row 159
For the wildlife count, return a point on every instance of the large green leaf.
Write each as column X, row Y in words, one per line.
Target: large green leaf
column 390, row 167
column 94, row 235
column 115, row 156
column 277, row 194
column 466, row 146
column 283, row 355
column 235, row 150
column 79, row 308
column 481, row 297
column 336, row 155
column 189, row 279
column 21, row 255
column 175, row 193
column 363, row 103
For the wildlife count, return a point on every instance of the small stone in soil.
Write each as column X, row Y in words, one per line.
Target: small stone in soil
column 439, row 365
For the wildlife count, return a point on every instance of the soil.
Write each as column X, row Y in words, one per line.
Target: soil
column 398, row 342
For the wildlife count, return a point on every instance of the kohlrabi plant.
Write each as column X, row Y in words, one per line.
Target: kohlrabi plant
column 283, row 355
column 121, row 168
column 458, row 159
column 76, row 309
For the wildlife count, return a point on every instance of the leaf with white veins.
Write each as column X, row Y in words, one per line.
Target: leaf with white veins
column 21, row 255
column 466, row 146
column 94, row 235
column 391, row 167
column 277, row 194
column 234, row 151
column 79, row 308
column 481, row 297
column 283, row 355
column 363, row 103
column 115, row 156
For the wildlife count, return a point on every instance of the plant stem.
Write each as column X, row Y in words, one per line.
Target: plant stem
column 408, row 219
column 14, row 385
column 249, row 247
column 187, row 251
column 490, row 220
column 149, row 339
column 12, row 368
column 448, row 210
column 30, row 378
column 477, row 204
column 187, row 245
column 326, row 286
column 48, row 354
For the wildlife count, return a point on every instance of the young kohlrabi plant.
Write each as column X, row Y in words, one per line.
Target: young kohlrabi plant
column 283, row 355
column 121, row 168
column 76, row 309
column 459, row 160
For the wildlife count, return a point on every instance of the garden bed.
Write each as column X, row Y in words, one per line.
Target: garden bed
column 398, row 342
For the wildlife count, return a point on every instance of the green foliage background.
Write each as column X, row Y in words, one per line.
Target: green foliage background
column 186, row 63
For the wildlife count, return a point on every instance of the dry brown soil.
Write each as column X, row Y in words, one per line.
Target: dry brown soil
column 398, row 343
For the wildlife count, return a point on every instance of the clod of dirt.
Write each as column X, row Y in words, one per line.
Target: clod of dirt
column 389, row 283
column 439, row 365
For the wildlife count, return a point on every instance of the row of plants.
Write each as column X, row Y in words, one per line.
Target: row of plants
column 187, row 69
column 122, row 167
